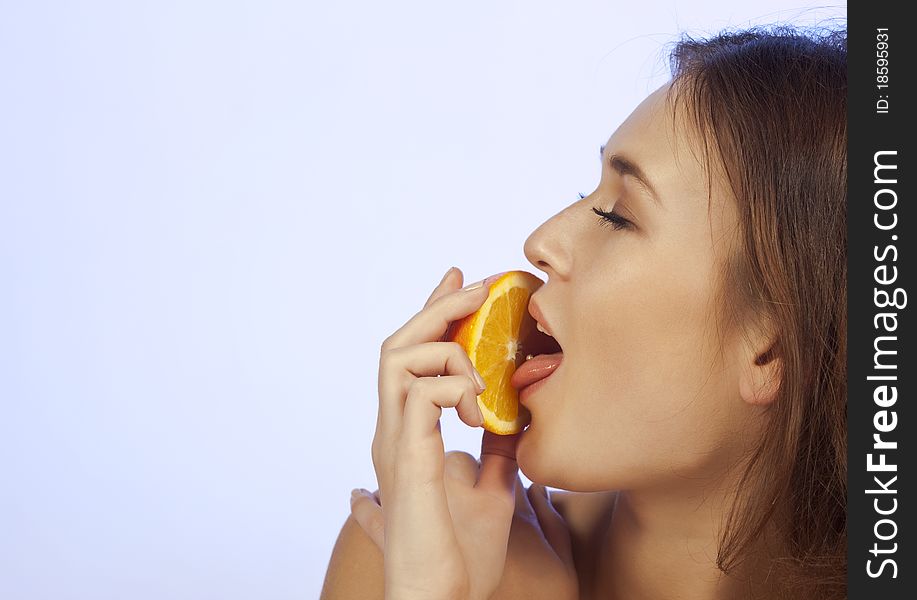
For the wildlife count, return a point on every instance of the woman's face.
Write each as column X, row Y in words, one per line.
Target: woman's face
column 642, row 398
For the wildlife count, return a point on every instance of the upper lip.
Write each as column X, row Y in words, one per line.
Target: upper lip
column 536, row 313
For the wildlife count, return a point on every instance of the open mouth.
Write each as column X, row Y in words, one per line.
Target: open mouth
column 542, row 355
column 539, row 342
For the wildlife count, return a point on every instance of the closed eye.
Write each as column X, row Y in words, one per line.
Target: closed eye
column 612, row 219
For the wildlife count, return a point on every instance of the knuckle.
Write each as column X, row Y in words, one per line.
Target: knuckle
column 460, row 464
column 460, row 458
column 381, row 457
column 388, row 344
column 379, row 442
column 439, row 299
column 419, row 386
column 461, row 356
column 374, row 452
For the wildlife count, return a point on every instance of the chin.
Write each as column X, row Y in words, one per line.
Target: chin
column 527, row 454
column 537, row 461
column 550, row 466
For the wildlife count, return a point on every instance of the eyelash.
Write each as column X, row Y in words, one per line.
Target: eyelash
column 610, row 219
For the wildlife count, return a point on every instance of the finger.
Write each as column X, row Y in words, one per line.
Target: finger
column 368, row 514
column 461, row 467
column 552, row 524
column 417, row 486
column 425, row 401
column 430, row 323
column 401, row 367
column 449, row 283
column 498, row 464
column 395, row 382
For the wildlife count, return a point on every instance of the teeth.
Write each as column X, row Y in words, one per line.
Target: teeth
column 540, row 328
column 529, row 356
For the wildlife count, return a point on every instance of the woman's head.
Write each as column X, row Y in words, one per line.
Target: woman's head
column 704, row 334
column 632, row 305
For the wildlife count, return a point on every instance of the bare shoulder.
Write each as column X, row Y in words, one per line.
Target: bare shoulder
column 355, row 569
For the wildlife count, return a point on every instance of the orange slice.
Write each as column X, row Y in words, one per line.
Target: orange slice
column 495, row 338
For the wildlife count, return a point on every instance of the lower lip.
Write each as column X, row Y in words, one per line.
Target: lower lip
column 531, row 388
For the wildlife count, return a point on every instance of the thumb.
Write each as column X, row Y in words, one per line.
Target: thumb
column 498, row 464
column 365, row 510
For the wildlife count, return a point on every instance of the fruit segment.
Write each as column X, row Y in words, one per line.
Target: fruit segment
column 497, row 351
column 497, row 338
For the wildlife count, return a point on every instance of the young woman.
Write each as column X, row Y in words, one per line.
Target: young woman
column 698, row 417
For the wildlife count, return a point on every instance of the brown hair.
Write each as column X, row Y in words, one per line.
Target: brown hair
column 771, row 107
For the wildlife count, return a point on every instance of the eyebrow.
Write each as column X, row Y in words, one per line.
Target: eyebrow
column 625, row 166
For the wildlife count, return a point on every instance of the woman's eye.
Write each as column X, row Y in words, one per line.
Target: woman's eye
column 612, row 219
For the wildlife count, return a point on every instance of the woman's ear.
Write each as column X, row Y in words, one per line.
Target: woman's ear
column 762, row 371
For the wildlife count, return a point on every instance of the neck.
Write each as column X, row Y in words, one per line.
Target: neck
column 663, row 544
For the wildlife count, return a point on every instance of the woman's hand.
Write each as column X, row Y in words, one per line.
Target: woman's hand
column 539, row 556
column 438, row 544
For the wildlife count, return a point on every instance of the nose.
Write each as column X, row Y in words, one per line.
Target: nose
column 548, row 247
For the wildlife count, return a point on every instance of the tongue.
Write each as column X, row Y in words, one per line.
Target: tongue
column 537, row 367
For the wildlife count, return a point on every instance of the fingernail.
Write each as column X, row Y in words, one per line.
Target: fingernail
column 478, row 379
column 474, row 286
column 447, row 274
column 489, row 280
column 356, row 493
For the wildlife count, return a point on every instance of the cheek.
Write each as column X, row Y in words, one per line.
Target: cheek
column 642, row 391
column 647, row 333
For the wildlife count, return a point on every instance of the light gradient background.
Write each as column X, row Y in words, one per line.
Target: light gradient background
column 212, row 214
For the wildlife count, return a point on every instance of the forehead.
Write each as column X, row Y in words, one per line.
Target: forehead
column 660, row 138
